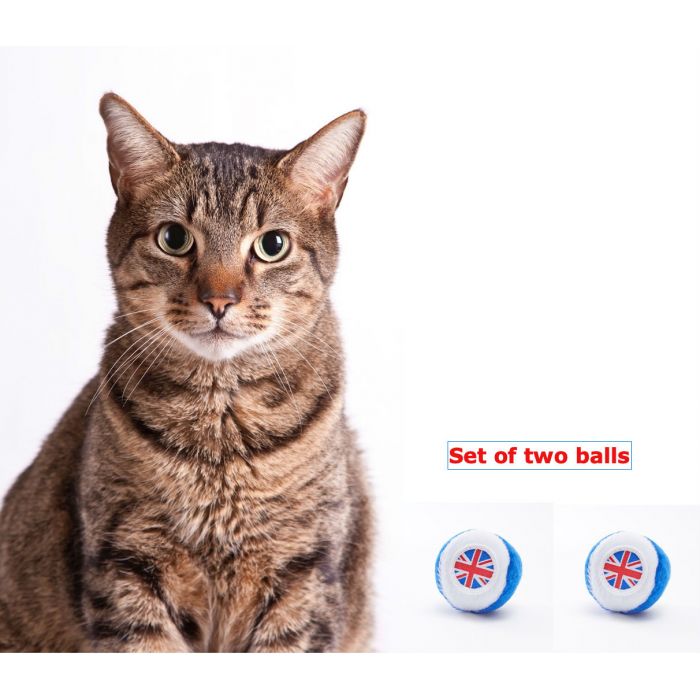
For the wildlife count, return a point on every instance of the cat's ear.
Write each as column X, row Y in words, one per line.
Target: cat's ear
column 319, row 166
column 137, row 152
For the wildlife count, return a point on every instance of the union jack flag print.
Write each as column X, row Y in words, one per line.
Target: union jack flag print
column 623, row 569
column 474, row 568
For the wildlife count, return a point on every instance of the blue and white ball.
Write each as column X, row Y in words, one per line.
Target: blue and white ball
column 477, row 571
column 627, row 572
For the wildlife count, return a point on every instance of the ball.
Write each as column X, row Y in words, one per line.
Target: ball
column 477, row 571
column 627, row 572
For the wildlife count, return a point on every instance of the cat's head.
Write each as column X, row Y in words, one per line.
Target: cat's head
column 223, row 247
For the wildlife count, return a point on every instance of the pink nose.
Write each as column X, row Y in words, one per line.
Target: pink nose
column 218, row 304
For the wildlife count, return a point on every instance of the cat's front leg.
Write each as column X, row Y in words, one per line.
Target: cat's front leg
column 288, row 626
column 128, row 605
column 301, row 611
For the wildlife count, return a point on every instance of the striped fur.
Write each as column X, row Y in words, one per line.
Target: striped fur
column 184, row 503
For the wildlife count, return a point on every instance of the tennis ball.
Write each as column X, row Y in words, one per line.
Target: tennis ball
column 477, row 571
column 627, row 572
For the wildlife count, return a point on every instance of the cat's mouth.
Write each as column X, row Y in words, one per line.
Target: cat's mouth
column 216, row 332
column 218, row 343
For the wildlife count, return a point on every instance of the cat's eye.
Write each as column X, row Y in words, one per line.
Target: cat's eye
column 271, row 246
column 175, row 239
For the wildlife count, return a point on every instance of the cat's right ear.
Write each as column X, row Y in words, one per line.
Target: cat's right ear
column 319, row 166
column 137, row 152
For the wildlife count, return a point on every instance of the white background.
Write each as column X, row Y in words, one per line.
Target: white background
column 519, row 248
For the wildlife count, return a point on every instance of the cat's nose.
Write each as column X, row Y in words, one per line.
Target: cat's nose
column 219, row 303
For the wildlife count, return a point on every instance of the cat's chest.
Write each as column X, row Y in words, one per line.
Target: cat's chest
column 241, row 504
column 216, row 508
column 231, row 469
column 247, row 427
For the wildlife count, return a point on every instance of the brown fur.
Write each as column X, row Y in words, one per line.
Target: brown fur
column 187, row 503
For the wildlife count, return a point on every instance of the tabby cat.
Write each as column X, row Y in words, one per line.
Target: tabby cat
column 203, row 492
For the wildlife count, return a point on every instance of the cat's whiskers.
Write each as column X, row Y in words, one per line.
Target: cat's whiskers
column 140, row 311
column 301, row 335
column 163, row 345
column 167, row 352
column 306, row 331
column 136, row 348
column 114, row 366
column 286, row 380
column 272, row 366
column 123, row 335
column 153, row 341
column 298, row 352
column 306, row 341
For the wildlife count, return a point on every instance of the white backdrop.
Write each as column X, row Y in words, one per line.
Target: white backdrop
column 519, row 257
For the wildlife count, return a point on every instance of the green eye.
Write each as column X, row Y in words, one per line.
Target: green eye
column 175, row 239
column 271, row 246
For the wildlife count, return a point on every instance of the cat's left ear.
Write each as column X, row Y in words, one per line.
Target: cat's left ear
column 319, row 166
column 138, row 153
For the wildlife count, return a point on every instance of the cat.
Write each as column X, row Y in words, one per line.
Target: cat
column 204, row 491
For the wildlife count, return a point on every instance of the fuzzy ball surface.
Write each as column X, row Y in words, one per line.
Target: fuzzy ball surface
column 477, row 571
column 627, row 572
